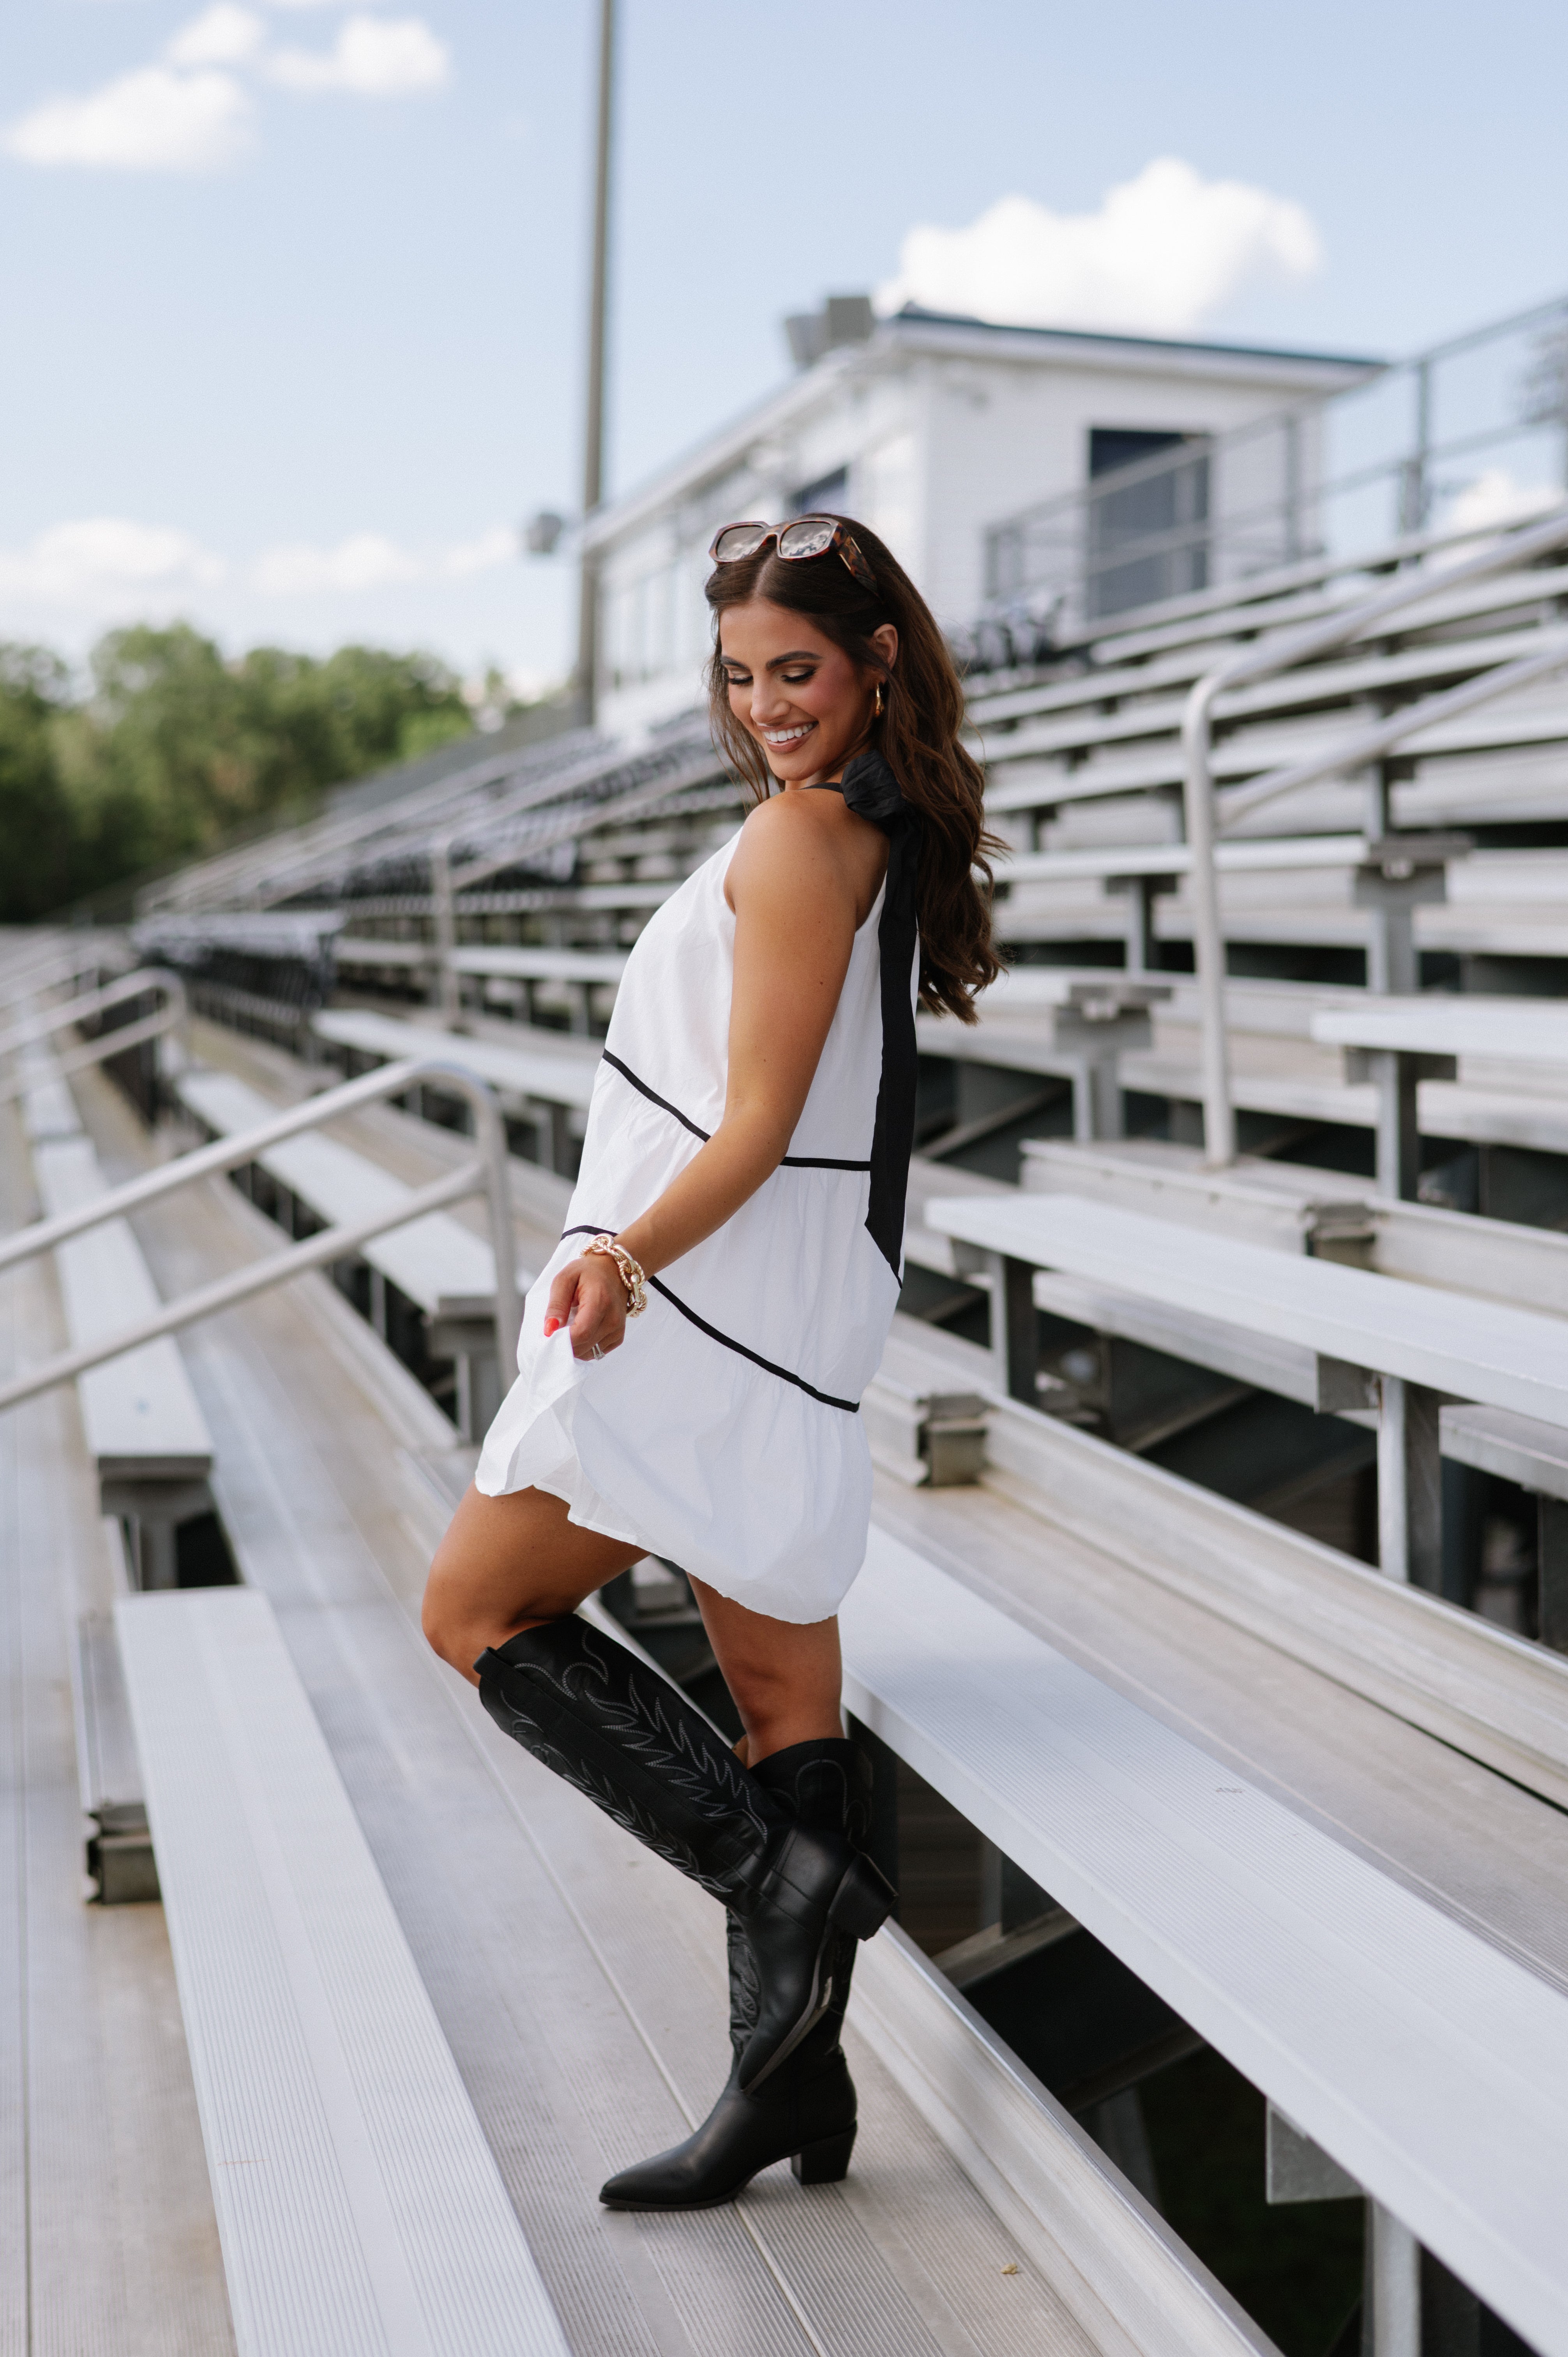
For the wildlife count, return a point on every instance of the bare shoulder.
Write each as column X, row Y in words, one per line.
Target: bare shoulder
column 791, row 842
column 810, row 841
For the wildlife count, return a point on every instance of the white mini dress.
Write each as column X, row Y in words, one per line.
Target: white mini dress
column 724, row 1433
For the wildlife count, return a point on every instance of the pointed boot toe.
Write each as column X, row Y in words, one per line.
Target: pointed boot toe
column 806, row 2119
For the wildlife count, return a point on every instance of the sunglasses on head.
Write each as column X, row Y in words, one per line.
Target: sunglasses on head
column 806, row 536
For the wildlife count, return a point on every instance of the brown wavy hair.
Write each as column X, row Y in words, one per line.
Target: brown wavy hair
column 918, row 735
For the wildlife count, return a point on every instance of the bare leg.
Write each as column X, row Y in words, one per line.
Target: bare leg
column 507, row 1564
column 785, row 1677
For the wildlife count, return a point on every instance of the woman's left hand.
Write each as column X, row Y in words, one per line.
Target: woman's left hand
column 588, row 1297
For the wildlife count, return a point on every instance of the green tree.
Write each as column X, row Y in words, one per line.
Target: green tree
column 173, row 745
column 39, row 850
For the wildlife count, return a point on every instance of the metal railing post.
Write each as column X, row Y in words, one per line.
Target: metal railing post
column 490, row 1127
column 1208, row 930
column 448, row 996
column 1394, row 2275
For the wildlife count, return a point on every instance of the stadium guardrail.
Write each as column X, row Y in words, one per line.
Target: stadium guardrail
column 485, row 1173
column 174, row 1016
column 1511, row 548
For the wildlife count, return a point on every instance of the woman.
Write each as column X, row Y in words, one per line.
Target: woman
column 691, row 1360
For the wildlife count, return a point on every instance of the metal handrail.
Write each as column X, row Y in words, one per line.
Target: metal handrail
column 1512, row 548
column 1381, row 736
column 25, row 977
column 486, row 1174
column 1061, row 523
column 174, row 1015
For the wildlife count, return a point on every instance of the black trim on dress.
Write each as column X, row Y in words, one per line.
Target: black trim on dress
column 653, row 1098
column 872, row 792
column 786, row 1162
column 850, row 1407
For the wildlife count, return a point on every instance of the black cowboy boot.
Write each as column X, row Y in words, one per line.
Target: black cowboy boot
column 805, row 2110
column 630, row 1741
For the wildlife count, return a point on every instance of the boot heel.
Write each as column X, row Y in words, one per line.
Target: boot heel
column 826, row 2163
column 862, row 1901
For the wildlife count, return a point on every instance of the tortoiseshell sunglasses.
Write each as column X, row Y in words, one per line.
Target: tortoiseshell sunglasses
column 802, row 538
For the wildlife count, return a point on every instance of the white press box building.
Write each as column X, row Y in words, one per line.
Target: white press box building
column 937, row 431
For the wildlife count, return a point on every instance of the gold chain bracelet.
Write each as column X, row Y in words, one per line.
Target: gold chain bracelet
column 631, row 1275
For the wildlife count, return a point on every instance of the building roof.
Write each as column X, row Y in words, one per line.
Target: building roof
column 1359, row 363
column 915, row 330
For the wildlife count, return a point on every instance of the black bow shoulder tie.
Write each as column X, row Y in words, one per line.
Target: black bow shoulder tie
column 872, row 792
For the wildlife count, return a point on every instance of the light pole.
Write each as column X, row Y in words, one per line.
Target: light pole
column 594, row 438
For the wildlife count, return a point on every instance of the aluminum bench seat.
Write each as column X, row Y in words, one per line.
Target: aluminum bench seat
column 520, row 963
column 436, row 1263
column 146, row 1430
column 359, row 950
column 543, row 964
column 1173, row 654
column 1491, row 1352
column 1293, row 1207
column 1267, row 1076
column 109, row 2241
column 1337, row 681
column 1379, row 1341
column 446, row 1271
column 1490, row 1044
column 558, row 1072
column 48, row 1108
column 1419, row 2055
column 359, row 2203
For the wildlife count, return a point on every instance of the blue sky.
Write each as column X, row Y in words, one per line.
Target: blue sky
column 294, row 292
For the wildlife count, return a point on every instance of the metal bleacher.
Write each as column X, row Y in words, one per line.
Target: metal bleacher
column 1170, row 1765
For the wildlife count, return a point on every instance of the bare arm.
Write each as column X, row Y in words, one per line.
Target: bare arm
column 793, row 886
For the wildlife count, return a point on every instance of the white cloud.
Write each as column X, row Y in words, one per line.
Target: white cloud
column 113, row 568
column 150, row 121
column 1163, row 253
column 221, row 35
column 102, row 561
column 373, row 56
column 497, row 546
column 366, row 560
column 1494, row 498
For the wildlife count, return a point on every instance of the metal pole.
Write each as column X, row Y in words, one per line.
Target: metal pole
column 1207, row 934
column 599, row 296
column 1423, row 446
column 448, row 998
column 490, row 1127
column 1292, row 485
column 1396, row 2285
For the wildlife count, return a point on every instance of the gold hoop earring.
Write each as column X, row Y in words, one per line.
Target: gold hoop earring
column 877, row 709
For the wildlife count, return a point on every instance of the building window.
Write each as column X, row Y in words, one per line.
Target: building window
column 827, row 494
column 1148, row 538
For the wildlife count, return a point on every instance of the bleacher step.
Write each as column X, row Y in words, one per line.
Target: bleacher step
column 1421, row 2057
column 359, row 2206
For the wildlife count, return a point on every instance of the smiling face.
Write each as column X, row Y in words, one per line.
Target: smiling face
column 807, row 704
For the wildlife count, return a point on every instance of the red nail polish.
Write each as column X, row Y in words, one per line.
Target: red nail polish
column 551, row 1326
